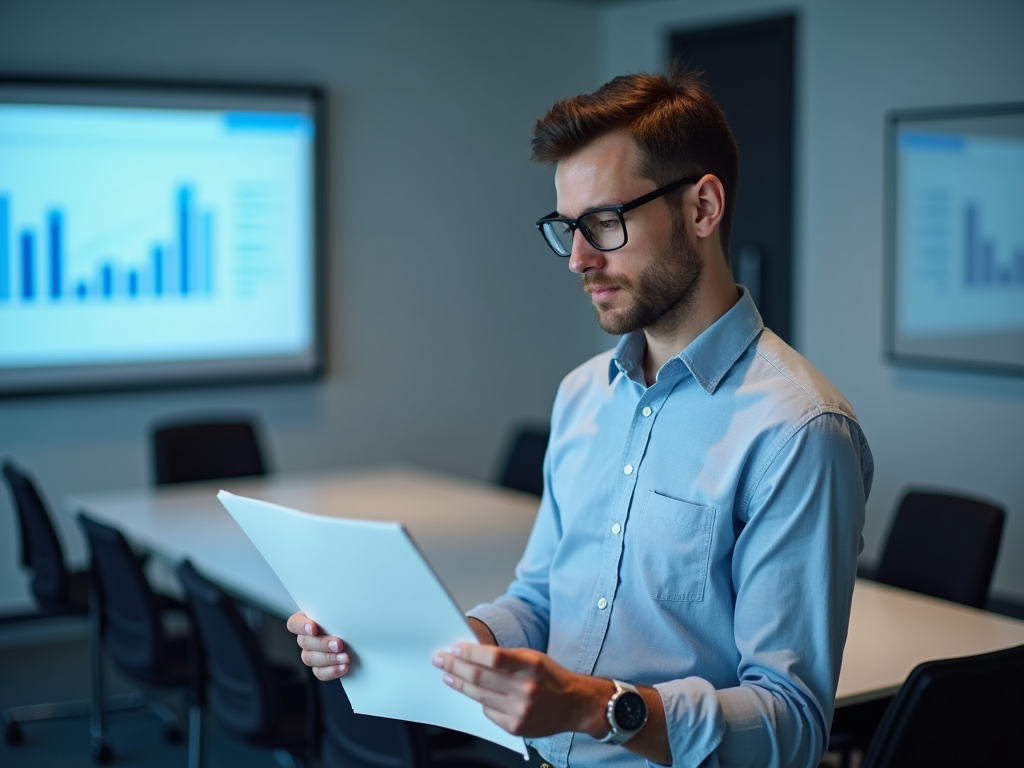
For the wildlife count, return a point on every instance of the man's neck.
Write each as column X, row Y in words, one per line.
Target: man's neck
column 718, row 294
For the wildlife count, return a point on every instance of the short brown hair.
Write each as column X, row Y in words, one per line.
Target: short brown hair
column 674, row 120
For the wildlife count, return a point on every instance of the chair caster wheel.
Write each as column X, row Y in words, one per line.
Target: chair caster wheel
column 103, row 754
column 13, row 734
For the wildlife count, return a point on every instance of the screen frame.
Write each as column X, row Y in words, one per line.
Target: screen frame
column 171, row 375
column 893, row 121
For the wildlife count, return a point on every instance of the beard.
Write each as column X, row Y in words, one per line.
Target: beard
column 664, row 293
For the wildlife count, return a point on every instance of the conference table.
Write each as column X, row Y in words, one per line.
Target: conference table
column 472, row 534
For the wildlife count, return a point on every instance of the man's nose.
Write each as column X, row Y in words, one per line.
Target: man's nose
column 584, row 257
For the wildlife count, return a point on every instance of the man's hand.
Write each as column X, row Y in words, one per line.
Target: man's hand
column 326, row 655
column 526, row 692
column 529, row 694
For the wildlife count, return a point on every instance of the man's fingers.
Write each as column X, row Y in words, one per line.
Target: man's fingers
column 323, row 653
column 316, row 659
column 300, row 624
column 320, row 643
column 462, row 673
column 483, row 693
column 331, row 672
column 493, row 657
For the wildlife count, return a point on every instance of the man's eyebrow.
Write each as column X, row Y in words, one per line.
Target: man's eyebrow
column 590, row 209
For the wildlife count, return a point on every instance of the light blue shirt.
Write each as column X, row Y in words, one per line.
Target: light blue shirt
column 699, row 536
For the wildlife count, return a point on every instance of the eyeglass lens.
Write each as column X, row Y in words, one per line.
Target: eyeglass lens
column 604, row 229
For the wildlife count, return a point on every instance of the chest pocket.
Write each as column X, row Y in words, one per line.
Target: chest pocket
column 673, row 546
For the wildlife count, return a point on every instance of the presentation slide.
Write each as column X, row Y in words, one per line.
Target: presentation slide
column 959, row 245
column 141, row 235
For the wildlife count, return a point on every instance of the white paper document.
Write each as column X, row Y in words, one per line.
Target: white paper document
column 367, row 583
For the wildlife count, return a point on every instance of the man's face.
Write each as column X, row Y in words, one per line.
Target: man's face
column 650, row 282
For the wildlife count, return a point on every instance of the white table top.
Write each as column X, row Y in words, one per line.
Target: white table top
column 473, row 534
column 892, row 631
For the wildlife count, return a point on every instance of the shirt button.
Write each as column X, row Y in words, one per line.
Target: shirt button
column 628, row 469
column 602, row 603
column 616, row 528
column 647, row 410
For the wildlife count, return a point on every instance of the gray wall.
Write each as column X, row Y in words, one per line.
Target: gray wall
column 856, row 60
column 439, row 337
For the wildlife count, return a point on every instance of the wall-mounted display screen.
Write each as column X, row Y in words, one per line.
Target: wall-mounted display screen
column 956, row 237
column 156, row 235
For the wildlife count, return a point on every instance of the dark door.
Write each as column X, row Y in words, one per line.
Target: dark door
column 749, row 69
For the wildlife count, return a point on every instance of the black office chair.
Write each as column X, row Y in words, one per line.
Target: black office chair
column 940, row 545
column 211, row 450
column 261, row 703
column 944, row 546
column 131, row 622
column 954, row 712
column 523, row 466
column 57, row 591
column 348, row 740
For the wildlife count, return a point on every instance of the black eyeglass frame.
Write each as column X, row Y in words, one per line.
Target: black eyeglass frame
column 619, row 210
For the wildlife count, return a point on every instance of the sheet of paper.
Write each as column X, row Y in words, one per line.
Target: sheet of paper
column 366, row 583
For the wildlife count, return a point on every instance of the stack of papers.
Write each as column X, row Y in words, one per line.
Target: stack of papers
column 367, row 583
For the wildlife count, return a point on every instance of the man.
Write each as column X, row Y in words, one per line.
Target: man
column 685, row 593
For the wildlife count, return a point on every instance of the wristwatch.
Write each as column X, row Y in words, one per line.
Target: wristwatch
column 627, row 714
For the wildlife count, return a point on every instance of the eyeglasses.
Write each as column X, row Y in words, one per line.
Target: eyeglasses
column 604, row 228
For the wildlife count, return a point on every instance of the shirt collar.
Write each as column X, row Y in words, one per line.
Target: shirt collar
column 708, row 358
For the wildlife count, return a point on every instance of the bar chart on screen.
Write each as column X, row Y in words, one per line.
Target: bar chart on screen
column 134, row 234
column 961, row 235
column 180, row 262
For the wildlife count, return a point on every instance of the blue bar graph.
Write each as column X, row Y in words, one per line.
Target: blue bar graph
column 208, row 251
column 5, row 260
column 184, row 233
column 158, row 270
column 55, row 222
column 38, row 263
column 980, row 266
column 107, row 276
column 27, row 282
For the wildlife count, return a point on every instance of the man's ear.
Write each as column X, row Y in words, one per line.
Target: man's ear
column 709, row 197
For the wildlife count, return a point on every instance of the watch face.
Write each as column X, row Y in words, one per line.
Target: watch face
column 630, row 711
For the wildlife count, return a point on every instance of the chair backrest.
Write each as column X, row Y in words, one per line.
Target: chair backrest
column 130, row 616
column 214, row 450
column 523, row 468
column 41, row 552
column 240, row 688
column 349, row 740
column 963, row 711
column 944, row 546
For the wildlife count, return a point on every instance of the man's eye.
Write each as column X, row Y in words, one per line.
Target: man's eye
column 609, row 224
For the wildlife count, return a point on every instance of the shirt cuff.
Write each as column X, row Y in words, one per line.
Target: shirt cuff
column 502, row 623
column 693, row 718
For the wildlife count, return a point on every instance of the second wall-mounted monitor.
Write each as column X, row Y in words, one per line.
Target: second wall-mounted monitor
column 955, row 237
column 156, row 234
